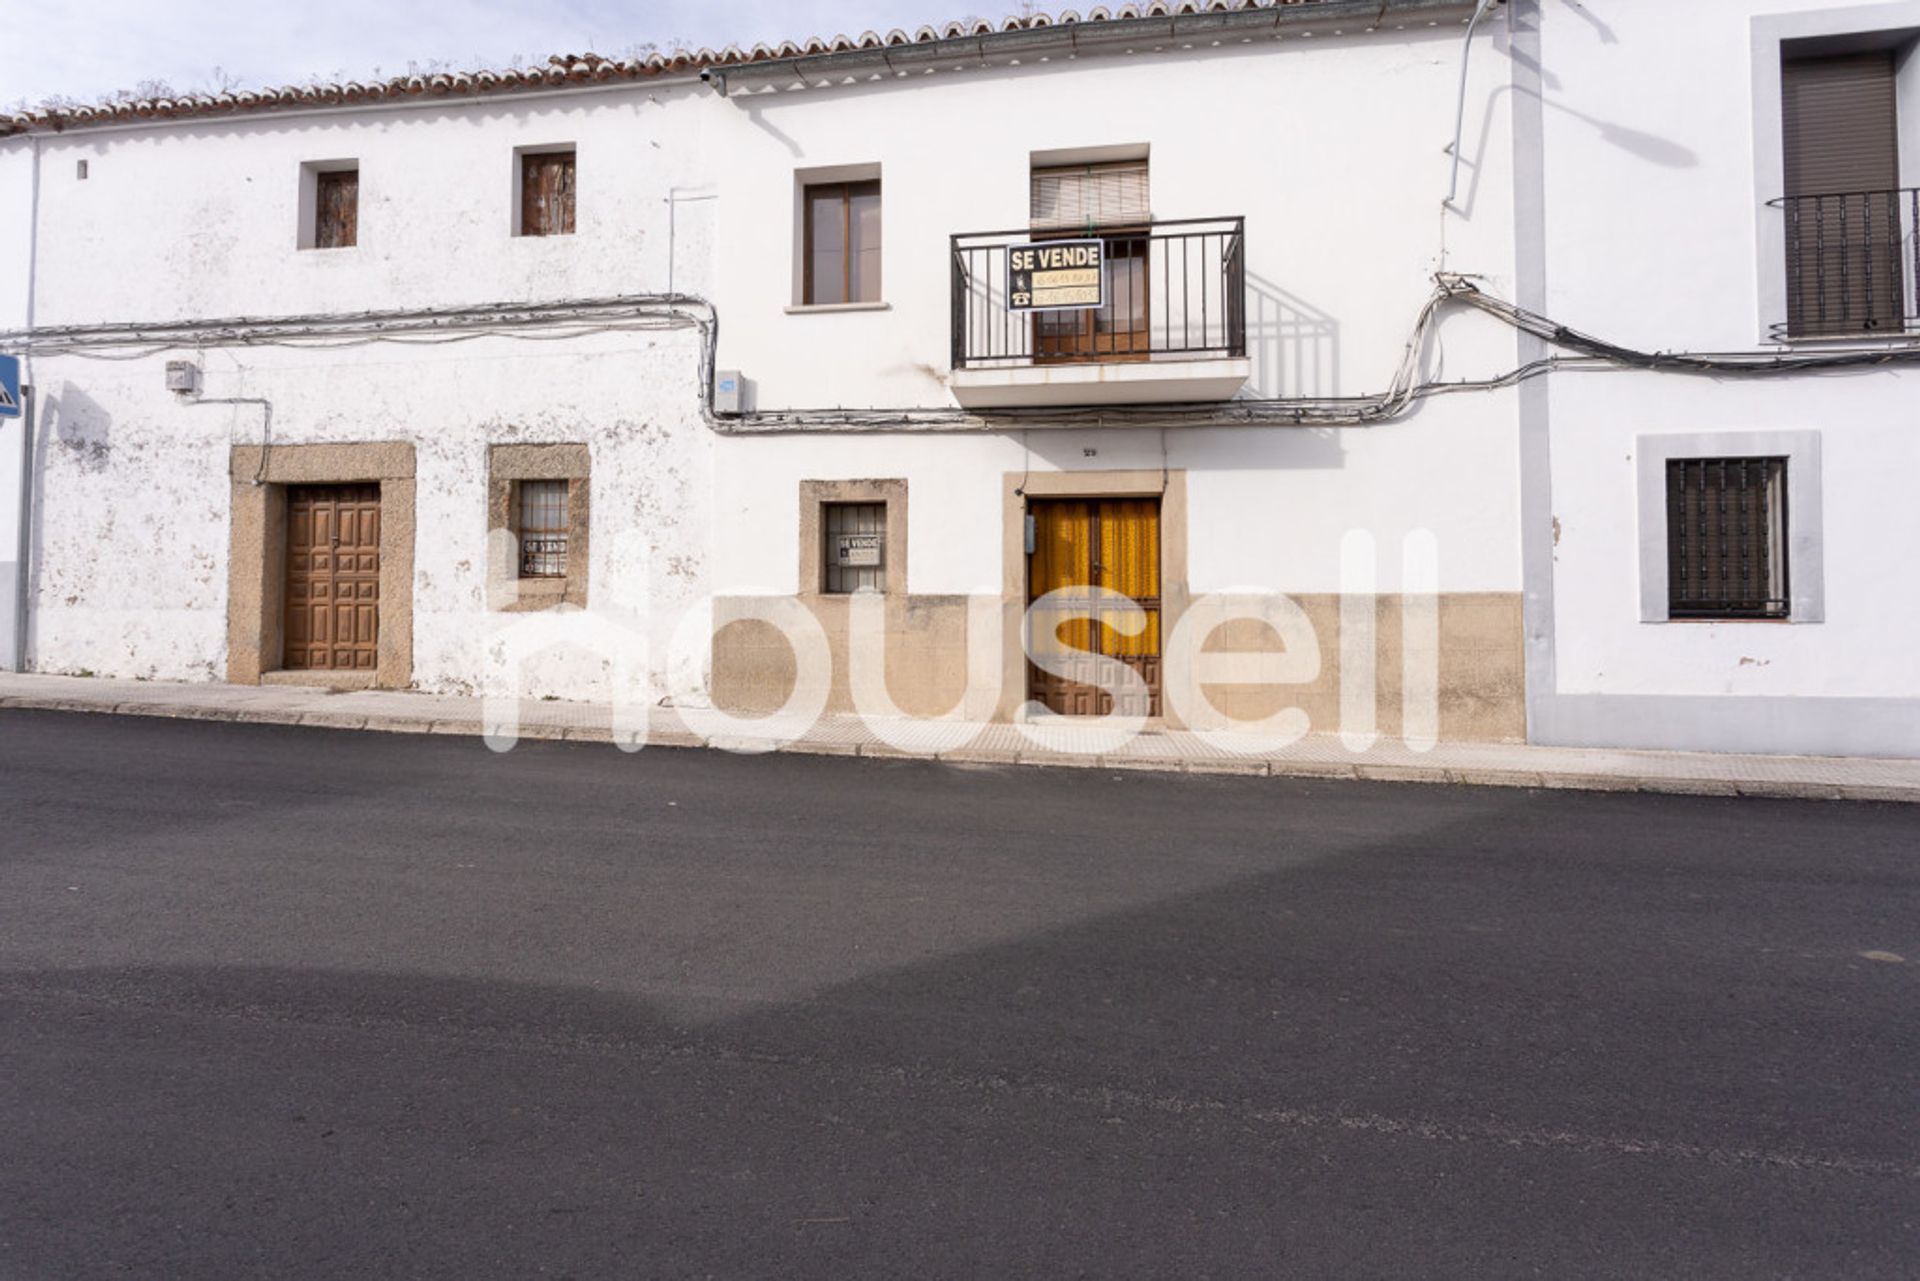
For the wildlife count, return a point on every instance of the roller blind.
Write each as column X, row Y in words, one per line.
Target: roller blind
column 1104, row 195
column 1839, row 124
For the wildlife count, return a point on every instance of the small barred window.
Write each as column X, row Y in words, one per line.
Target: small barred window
column 543, row 528
column 1727, row 538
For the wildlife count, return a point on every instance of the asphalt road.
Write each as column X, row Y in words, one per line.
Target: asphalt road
column 294, row 1002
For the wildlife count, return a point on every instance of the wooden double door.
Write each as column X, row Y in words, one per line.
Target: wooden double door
column 1080, row 545
column 333, row 578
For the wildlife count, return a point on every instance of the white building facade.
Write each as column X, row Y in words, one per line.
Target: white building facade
column 318, row 398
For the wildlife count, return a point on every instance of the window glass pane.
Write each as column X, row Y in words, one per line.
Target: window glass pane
column 827, row 217
column 863, row 220
column 863, row 202
column 829, row 277
column 864, row 286
column 1126, row 307
column 543, row 528
column 826, row 244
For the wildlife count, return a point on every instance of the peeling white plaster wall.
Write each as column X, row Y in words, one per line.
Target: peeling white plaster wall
column 135, row 498
column 201, row 220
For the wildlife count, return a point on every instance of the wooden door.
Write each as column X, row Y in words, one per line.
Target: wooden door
column 1112, row 543
column 1117, row 331
column 333, row 577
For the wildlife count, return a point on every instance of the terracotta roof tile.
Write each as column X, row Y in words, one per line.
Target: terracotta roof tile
column 563, row 69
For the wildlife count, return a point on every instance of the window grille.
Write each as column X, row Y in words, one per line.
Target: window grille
column 1727, row 538
column 855, row 532
column 543, row 528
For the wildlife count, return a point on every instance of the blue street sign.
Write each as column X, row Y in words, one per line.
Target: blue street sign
column 9, row 386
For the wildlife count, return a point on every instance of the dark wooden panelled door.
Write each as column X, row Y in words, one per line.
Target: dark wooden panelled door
column 1104, row 542
column 333, row 577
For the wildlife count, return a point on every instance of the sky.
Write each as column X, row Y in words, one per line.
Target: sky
column 87, row 49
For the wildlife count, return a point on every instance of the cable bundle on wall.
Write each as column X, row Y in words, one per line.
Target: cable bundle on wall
column 570, row 318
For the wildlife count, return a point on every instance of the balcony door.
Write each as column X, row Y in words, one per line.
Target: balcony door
column 1846, row 268
column 1107, row 202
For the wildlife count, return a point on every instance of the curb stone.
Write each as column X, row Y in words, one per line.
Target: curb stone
column 1590, row 782
column 1242, row 767
column 1689, row 786
column 1493, row 778
column 332, row 720
column 1311, row 769
column 303, row 713
column 1400, row 773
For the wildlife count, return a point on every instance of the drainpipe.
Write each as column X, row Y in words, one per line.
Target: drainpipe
column 1460, row 106
column 23, row 541
column 22, row 597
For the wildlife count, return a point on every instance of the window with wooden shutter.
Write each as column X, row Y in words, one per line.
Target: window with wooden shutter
column 1840, row 143
column 1068, row 197
column 336, row 209
column 1084, row 200
column 842, row 243
column 546, row 193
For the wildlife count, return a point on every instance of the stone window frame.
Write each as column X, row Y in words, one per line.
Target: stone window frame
column 816, row 496
column 1806, row 552
column 507, row 465
column 832, row 175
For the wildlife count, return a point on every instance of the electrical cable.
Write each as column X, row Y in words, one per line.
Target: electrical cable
column 583, row 317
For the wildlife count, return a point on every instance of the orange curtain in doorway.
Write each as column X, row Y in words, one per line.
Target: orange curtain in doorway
column 1062, row 561
column 1130, row 565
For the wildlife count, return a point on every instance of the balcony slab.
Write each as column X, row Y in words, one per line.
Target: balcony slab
column 1111, row 383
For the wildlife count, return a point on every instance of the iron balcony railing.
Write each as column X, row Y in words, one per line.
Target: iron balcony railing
column 1852, row 266
column 1174, row 291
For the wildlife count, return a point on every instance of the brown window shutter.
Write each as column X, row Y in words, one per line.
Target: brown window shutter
column 1099, row 195
column 337, row 209
column 1839, row 118
column 546, row 194
column 1840, row 148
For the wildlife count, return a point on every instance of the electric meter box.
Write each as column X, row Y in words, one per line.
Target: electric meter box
column 729, row 392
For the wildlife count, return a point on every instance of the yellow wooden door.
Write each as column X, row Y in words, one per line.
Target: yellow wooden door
column 1079, row 545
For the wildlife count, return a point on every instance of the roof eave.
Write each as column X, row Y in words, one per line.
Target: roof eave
column 1085, row 37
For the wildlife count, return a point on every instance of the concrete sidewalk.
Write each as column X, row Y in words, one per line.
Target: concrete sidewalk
column 1316, row 756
